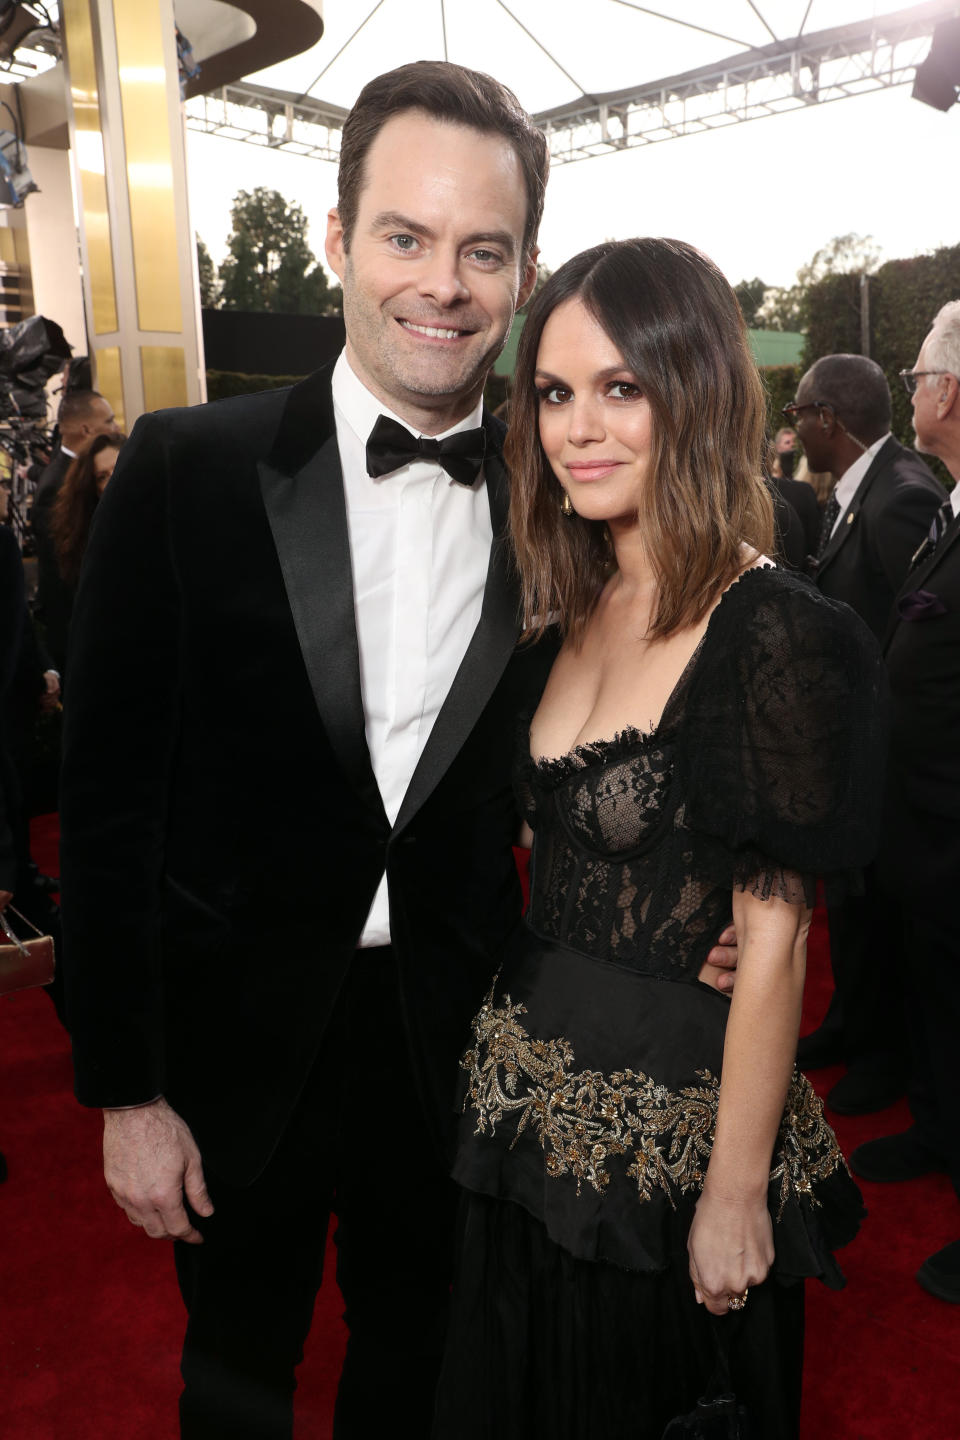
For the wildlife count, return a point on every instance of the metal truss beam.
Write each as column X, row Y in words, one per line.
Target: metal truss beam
column 274, row 119
column 792, row 74
column 814, row 69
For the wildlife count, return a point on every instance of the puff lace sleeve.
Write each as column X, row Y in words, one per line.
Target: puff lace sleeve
column 783, row 748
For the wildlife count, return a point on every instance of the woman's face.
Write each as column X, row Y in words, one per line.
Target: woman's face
column 595, row 425
column 103, row 463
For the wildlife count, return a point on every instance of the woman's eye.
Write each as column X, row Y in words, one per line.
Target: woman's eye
column 553, row 394
column 624, row 390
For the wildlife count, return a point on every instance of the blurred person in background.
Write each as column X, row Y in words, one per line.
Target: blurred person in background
column 881, row 509
column 77, row 501
column 920, row 853
column 82, row 415
column 29, row 687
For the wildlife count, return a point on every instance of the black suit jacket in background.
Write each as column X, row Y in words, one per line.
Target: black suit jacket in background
column 54, row 599
column 800, row 497
column 868, row 557
column 12, row 623
column 922, row 831
column 223, row 833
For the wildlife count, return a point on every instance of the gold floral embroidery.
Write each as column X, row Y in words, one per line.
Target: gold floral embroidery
column 583, row 1118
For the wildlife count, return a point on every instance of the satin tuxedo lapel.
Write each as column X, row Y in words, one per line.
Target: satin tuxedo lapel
column 848, row 522
column 918, row 577
column 489, row 650
column 302, row 487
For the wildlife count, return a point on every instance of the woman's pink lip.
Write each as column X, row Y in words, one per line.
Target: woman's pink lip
column 596, row 470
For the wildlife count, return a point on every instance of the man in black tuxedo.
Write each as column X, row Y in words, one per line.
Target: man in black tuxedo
column 881, row 508
column 83, row 415
column 920, row 856
column 287, row 867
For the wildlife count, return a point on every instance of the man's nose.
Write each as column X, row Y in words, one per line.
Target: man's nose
column 441, row 279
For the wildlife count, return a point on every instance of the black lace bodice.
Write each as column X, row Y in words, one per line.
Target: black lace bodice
column 762, row 773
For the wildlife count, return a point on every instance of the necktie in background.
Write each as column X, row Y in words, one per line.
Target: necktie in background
column 938, row 525
column 830, row 512
column 391, row 446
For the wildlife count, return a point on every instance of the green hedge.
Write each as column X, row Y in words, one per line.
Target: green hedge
column 222, row 383
column 780, row 382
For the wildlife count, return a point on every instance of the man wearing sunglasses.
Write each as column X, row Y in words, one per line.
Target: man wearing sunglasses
column 881, row 508
column 920, row 855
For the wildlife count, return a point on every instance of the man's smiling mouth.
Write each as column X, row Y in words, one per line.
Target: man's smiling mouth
column 433, row 332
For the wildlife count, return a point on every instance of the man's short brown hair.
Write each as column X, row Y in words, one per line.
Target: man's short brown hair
column 445, row 92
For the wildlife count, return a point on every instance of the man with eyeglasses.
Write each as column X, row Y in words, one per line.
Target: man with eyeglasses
column 882, row 506
column 920, row 854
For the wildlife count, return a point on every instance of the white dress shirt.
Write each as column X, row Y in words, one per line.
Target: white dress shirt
column 419, row 548
column 850, row 479
column 955, row 499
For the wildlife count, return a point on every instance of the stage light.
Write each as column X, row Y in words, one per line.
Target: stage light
column 16, row 182
column 938, row 77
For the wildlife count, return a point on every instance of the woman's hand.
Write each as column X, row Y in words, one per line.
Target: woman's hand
column 730, row 1247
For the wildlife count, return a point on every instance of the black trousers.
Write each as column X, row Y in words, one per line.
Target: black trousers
column 933, row 1009
column 356, row 1144
column 866, row 955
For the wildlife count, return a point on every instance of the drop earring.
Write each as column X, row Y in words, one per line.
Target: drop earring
column 566, row 505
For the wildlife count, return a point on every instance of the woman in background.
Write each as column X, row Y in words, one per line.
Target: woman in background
column 78, row 499
column 639, row 1156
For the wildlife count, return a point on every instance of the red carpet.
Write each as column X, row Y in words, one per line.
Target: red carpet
column 90, row 1317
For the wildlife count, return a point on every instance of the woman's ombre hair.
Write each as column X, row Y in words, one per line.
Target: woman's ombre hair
column 677, row 324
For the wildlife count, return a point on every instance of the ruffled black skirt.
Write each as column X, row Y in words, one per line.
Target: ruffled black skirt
column 589, row 1108
column 543, row 1346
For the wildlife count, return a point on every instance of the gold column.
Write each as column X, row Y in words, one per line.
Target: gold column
column 127, row 141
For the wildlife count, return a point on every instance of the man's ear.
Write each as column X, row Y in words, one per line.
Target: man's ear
column 948, row 397
column 333, row 246
column 529, row 278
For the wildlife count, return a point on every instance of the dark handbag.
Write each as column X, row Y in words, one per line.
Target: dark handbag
column 717, row 1415
column 24, row 963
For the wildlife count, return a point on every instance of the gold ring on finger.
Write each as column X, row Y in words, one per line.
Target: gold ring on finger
column 737, row 1302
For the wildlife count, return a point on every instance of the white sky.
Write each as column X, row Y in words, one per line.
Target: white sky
column 760, row 198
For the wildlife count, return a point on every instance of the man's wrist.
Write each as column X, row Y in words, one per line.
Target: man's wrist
column 139, row 1105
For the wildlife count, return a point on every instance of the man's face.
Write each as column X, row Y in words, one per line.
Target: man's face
column 810, row 432
column 436, row 267
column 785, row 442
column 98, row 419
column 924, row 404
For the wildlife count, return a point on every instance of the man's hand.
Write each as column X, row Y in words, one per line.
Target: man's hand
column 50, row 698
column 150, row 1161
column 719, row 968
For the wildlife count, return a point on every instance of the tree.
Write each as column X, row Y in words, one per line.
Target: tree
column 843, row 255
column 269, row 265
column 787, row 309
column 750, row 295
column 209, row 283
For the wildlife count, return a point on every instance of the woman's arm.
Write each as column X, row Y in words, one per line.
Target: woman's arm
column 731, row 1238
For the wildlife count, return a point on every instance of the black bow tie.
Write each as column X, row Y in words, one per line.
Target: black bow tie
column 391, row 445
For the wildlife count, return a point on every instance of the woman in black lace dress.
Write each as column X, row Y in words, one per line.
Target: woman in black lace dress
column 638, row 1153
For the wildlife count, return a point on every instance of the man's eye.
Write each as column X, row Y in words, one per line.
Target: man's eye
column 404, row 242
column 486, row 257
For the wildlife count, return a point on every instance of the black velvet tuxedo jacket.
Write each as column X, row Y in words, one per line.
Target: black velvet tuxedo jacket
column 922, row 844
column 223, row 833
column 868, row 557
